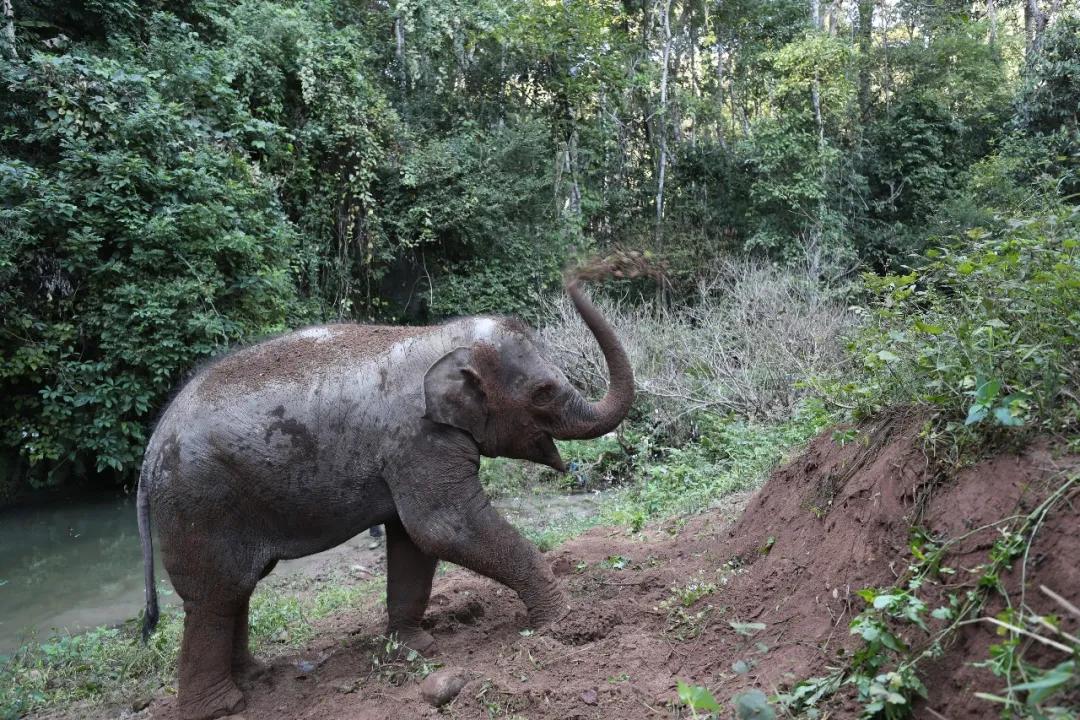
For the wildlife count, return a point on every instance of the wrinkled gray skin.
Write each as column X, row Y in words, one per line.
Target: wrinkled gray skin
column 296, row 444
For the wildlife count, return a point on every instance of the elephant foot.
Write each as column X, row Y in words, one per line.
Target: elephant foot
column 221, row 699
column 416, row 639
column 247, row 670
column 542, row 617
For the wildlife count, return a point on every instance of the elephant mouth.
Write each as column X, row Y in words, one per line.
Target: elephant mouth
column 547, row 454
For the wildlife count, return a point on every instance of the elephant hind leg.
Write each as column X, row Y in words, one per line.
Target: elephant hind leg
column 245, row 667
column 409, row 572
column 207, row 688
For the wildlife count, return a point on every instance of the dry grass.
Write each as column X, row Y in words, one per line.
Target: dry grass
column 750, row 335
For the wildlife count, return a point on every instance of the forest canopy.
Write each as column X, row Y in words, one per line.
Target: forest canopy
column 177, row 178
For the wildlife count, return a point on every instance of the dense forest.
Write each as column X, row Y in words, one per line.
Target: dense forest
column 178, row 178
column 839, row 241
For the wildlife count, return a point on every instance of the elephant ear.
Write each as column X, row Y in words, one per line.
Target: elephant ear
column 454, row 394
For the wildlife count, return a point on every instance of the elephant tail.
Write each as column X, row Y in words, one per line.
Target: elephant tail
column 150, row 620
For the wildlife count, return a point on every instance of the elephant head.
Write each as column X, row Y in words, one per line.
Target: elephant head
column 514, row 403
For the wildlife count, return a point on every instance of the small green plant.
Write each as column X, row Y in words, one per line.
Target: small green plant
column 698, row 699
column 753, row 705
column 884, row 669
column 746, row 629
column 396, row 664
column 616, row 562
column 681, row 623
column 1040, row 692
column 692, row 591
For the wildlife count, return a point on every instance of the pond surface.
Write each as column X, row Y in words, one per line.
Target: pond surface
column 77, row 566
column 68, row 567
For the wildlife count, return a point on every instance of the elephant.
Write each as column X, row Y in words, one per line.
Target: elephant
column 299, row 442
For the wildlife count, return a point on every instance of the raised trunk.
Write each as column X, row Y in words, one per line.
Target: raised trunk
column 582, row 419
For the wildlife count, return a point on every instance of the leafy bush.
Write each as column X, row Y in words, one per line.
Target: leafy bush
column 986, row 330
column 132, row 243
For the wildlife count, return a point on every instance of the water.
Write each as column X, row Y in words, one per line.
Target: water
column 67, row 568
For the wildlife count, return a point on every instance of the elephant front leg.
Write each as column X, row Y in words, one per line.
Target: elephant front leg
column 456, row 522
column 207, row 689
column 408, row 587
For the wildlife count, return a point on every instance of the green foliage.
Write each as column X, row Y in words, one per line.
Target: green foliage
column 753, row 705
column 132, row 243
column 729, row 455
column 1049, row 98
column 697, row 697
column 986, row 330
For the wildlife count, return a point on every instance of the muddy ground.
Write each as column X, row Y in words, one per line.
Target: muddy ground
column 755, row 594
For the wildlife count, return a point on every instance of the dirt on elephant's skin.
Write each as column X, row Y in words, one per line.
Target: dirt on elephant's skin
column 652, row 608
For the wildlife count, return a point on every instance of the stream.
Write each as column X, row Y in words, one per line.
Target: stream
column 66, row 568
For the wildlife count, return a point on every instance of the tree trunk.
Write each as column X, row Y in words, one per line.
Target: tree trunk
column 1034, row 24
column 866, row 20
column 834, row 14
column 662, row 123
column 8, row 41
column 814, row 236
column 720, row 63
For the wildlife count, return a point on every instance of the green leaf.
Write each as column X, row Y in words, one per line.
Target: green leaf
column 697, row 697
column 746, row 628
column 887, row 356
column 1004, row 416
column 753, row 705
column 883, row 601
column 976, row 413
column 987, row 391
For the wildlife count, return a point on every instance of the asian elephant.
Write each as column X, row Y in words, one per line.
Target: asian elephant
column 295, row 444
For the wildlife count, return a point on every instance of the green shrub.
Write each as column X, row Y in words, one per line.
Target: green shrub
column 986, row 330
column 132, row 243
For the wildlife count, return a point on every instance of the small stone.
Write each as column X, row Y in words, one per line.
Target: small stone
column 140, row 704
column 589, row 697
column 442, row 686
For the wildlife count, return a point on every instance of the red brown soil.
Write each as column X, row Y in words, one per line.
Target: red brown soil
column 829, row 523
column 296, row 356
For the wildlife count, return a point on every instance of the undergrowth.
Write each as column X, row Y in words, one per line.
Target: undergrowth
column 984, row 331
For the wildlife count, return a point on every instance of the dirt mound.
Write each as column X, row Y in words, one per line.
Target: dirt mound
column 731, row 605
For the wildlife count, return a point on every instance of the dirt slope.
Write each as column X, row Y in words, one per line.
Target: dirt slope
column 829, row 523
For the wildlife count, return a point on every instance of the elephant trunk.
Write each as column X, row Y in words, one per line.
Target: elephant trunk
column 583, row 420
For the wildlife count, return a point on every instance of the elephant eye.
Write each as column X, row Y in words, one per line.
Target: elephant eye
column 543, row 394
